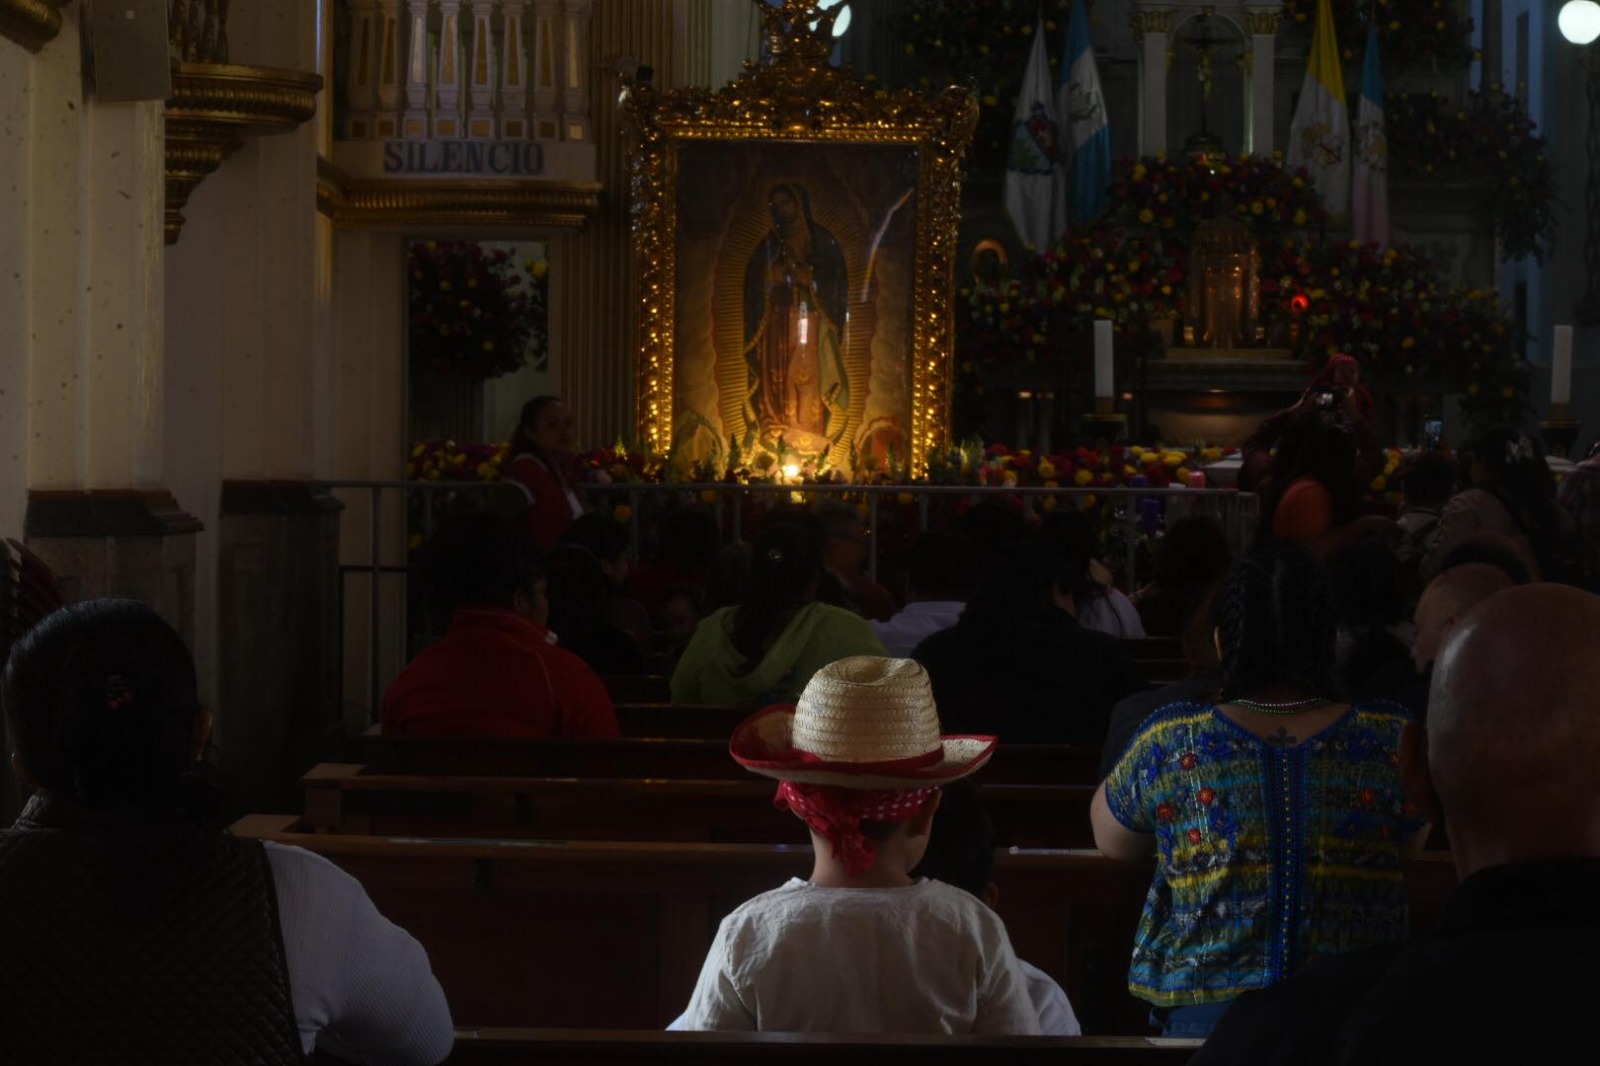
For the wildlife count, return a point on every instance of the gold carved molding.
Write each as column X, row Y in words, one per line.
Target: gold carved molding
column 1262, row 22
column 400, row 203
column 214, row 108
column 31, row 23
column 1144, row 22
column 796, row 98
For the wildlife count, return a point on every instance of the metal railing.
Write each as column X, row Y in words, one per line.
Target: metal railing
column 1236, row 512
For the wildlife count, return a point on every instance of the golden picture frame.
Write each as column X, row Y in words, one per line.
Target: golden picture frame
column 795, row 234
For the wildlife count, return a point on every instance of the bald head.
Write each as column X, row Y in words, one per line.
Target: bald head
column 1514, row 726
column 1446, row 601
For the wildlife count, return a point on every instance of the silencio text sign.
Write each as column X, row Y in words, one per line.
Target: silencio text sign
column 496, row 159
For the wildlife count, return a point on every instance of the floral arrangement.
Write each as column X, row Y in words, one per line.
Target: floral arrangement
column 1434, row 33
column 470, row 314
column 1489, row 139
column 446, row 460
column 1176, row 194
column 1113, row 467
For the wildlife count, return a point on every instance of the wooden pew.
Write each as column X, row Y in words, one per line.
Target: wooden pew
column 541, row 1047
column 669, row 757
column 679, row 720
column 592, row 934
column 345, row 798
column 638, row 688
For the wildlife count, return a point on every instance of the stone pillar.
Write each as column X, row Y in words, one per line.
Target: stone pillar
column 81, row 318
column 1153, row 30
column 250, row 396
column 1262, row 24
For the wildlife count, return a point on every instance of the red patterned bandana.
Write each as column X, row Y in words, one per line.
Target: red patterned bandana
column 837, row 813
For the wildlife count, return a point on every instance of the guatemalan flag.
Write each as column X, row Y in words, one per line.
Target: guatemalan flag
column 1035, row 183
column 1081, row 107
column 1369, row 189
column 1319, row 136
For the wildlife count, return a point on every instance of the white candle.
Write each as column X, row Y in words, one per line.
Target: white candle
column 1561, row 367
column 1103, row 383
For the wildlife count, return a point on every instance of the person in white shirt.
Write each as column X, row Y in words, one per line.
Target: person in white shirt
column 862, row 946
column 961, row 854
column 943, row 566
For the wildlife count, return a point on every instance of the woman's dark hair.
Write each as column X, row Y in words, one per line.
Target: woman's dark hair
column 524, row 438
column 1430, row 479
column 1516, row 473
column 477, row 560
column 687, row 538
column 1276, row 621
column 101, row 702
column 1072, row 535
column 1015, row 588
column 600, row 533
column 943, row 565
column 1192, row 554
column 576, row 587
column 785, row 563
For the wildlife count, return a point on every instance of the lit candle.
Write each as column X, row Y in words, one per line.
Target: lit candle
column 1102, row 358
column 1561, row 367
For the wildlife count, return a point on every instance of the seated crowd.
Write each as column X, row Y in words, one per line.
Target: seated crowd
column 1353, row 685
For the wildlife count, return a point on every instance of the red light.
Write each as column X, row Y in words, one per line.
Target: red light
column 1299, row 303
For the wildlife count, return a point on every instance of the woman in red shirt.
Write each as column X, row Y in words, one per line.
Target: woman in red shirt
column 540, row 447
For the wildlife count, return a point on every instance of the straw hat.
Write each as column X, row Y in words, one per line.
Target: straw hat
column 862, row 722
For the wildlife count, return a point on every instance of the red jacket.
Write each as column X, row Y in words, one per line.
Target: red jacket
column 497, row 674
column 549, row 510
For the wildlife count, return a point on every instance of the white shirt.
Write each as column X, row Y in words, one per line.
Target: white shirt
column 361, row 986
column 927, row 958
column 902, row 633
column 1050, row 1003
column 1111, row 613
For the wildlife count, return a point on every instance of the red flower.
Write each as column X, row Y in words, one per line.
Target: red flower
column 1206, row 796
column 1368, row 797
column 1189, row 760
column 1166, row 812
column 1194, row 836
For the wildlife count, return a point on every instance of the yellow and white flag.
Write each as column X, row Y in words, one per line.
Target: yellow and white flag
column 1319, row 137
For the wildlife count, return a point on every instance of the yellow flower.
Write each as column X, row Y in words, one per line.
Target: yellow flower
column 487, row 471
column 1139, row 172
column 622, row 512
column 1052, row 484
column 444, row 286
column 1409, row 342
column 1300, row 215
column 1380, row 483
column 1147, row 216
column 541, row 269
column 1180, row 476
column 1049, row 503
column 1136, row 451
column 1082, row 477
column 416, row 453
column 1085, row 502
column 1173, row 458
column 1010, row 480
column 1257, row 208
column 1047, row 469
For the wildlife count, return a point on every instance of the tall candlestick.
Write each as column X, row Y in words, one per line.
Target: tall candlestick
column 1561, row 367
column 1103, row 383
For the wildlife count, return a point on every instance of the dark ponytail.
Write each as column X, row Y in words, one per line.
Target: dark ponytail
column 784, row 567
column 1276, row 620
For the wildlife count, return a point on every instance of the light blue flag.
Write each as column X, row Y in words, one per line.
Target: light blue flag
column 1086, row 133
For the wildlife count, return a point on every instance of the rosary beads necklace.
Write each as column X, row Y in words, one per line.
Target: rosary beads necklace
column 1282, row 709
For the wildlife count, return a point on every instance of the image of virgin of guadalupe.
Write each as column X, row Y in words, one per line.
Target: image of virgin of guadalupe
column 796, row 287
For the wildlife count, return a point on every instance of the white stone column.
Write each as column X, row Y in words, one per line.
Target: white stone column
column 1153, row 29
column 514, row 124
column 480, row 74
column 1262, row 23
column 546, row 68
column 447, row 80
column 414, row 124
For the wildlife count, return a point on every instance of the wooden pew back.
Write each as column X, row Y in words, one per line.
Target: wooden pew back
column 344, row 798
column 609, row 935
column 540, row 1047
column 664, row 757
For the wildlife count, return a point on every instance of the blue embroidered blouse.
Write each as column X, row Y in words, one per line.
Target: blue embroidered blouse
column 1267, row 856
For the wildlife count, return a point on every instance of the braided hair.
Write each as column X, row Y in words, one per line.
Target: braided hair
column 1275, row 617
column 785, row 565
